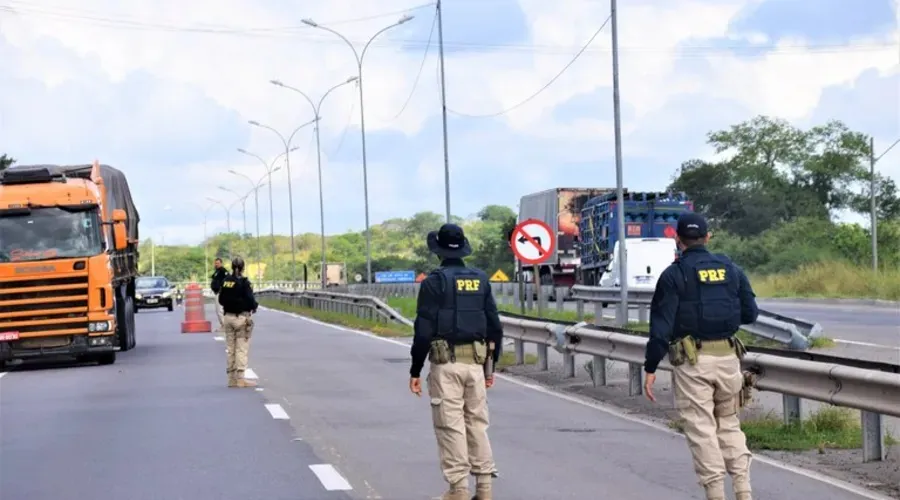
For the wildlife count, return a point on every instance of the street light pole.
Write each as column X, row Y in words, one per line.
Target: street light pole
column 440, row 23
column 362, row 122
column 205, row 211
column 316, row 112
column 243, row 200
column 873, row 208
column 228, row 222
column 270, row 169
column 255, row 190
column 287, row 163
column 620, row 204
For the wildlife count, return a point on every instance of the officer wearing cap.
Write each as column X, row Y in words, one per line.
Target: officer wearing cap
column 458, row 329
column 238, row 303
column 700, row 302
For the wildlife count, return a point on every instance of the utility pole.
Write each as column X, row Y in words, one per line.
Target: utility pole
column 440, row 23
column 872, row 204
column 620, row 191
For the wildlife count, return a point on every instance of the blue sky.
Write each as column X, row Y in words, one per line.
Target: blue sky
column 158, row 95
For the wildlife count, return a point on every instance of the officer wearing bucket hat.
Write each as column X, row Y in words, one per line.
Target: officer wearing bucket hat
column 699, row 304
column 458, row 329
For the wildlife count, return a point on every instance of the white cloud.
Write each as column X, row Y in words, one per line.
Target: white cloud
column 204, row 69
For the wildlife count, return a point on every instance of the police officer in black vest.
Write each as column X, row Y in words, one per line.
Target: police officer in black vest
column 700, row 302
column 458, row 329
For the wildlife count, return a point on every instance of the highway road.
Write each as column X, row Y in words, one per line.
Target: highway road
column 160, row 423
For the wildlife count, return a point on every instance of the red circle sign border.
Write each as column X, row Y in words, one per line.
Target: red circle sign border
column 519, row 230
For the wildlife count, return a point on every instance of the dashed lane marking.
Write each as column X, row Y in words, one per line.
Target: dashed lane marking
column 277, row 412
column 2, row 374
column 219, row 339
column 330, row 478
column 837, row 483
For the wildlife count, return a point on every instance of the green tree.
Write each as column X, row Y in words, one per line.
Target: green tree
column 6, row 162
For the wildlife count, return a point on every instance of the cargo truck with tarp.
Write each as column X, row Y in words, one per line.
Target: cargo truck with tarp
column 561, row 209
column 68, row 262
column 650, row 218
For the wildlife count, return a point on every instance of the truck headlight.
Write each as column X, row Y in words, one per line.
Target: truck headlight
column 138, row 296
column 98, row 326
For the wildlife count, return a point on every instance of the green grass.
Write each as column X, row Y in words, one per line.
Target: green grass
column 508, row 359
column 378, row 328
column 829, row 428
column 831, row 280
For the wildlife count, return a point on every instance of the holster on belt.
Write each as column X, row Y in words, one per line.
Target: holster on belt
column 689, row 345
column 441, row 352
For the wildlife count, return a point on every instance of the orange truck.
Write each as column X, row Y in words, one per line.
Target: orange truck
column 68, row 263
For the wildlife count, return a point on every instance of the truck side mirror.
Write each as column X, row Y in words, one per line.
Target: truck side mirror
column 119, row 215
column 120, row 236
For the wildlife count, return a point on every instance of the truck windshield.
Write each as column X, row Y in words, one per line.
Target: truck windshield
column 49, row 233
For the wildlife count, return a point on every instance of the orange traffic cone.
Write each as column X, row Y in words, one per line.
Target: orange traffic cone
column 194, row 311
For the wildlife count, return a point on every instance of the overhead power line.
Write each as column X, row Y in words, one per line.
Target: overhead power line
column 548, row 84
column 308, row 35
column 421, row 67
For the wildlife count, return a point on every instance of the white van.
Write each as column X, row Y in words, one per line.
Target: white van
column 647, row 258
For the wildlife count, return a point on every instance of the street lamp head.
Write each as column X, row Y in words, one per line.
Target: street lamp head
column 254, row 123
column 231, row 171
column 276, row 169
column 406, row 18
column 352, row 79
column 309, row 22
column 224, row 188
column 210, row 198
column 295, row 148
column 276, row 82
column 242, row 150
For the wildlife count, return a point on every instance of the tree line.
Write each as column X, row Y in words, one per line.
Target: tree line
column 772, row 200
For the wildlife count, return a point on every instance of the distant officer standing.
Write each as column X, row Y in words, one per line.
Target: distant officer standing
column 701, row 300
column 458, row 329
column 238, row 303
column 215, row 284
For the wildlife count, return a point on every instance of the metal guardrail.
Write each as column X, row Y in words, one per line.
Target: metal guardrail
column 361, row 306
column 875, row 392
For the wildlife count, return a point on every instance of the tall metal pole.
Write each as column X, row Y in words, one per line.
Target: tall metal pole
column 872, row 205
column 258, row 246
column 362, row 124
column 321, row 205
column 440, row 23
column 205, row 248
column 152, row 257
column 272, row 229
column 620, row 195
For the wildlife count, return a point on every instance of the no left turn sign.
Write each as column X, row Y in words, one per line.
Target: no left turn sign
column 533, row 241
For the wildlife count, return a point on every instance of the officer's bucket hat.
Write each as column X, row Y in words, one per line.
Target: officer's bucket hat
column 449, row 242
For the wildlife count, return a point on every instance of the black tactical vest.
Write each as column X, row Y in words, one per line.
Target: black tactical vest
column 461, row 318
column 709, row 305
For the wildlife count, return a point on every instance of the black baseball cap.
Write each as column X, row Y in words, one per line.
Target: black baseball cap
column 692, row 226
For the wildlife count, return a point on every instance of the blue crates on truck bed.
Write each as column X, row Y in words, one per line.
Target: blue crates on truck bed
column 647, row 215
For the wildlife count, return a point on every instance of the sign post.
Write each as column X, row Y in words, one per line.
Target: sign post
column 533, row 243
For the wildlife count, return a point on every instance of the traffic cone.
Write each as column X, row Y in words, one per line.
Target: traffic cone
column 194, row 311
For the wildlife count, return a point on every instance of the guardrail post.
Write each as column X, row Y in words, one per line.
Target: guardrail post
column 519, row 348
column 517, row 298
column 560, row 295
column 873, row 437
column 635, row 379
column 569, row 365
column 791, row 409
column 579, row 310
column 621, row 317
column 543, row 362
column 541, row 300
column 598, row 313
column 643, row 314
column 598, row 370
column 529, row 296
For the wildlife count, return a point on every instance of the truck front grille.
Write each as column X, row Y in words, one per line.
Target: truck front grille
column 45, row 306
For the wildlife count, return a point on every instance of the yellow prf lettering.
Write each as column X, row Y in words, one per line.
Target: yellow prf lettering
column 228, row 284
column 711, row 275
column 467, row 285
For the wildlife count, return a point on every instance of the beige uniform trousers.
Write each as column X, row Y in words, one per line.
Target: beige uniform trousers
column 460, row 415
column 238, row 330
column 707, row 396
column 220, row 313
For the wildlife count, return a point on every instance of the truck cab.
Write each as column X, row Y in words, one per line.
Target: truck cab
column 61, row 291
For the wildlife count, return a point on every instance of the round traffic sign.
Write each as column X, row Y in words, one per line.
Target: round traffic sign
column 358, row 278
column 533, row 241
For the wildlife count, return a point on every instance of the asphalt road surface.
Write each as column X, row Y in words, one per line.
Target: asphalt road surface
column 346, row 394
column 158, row 424
column 334, row 412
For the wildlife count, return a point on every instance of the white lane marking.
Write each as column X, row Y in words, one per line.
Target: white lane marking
column 865, row 344
column 330, row 478
column 2, row 374
column 277, row 412
column 250, row 374
column 219, row 339
column 837, row 483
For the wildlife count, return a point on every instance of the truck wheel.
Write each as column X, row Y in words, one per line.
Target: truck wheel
column 129, row 321
column 107, row 358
